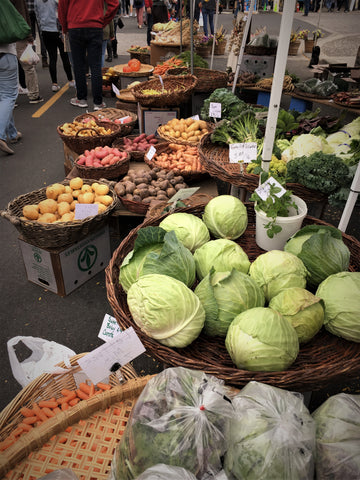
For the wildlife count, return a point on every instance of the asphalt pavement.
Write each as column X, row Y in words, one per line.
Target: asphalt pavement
column 30, row 310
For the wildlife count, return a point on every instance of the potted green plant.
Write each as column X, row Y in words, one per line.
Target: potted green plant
column 220, row 41
column 279, row 215
column 203, row 45
column 294, row 43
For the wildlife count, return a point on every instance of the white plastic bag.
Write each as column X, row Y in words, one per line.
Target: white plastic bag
column 164, row 472
column 29, row 56
column 44, row 358
column 61, row 474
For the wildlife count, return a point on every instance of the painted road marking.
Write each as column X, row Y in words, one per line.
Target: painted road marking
column 50, row 102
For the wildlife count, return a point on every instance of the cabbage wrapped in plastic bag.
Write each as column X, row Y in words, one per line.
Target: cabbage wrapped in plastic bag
column 181, row 418
column 165, row 472
column 273, row 436
column 338, row 438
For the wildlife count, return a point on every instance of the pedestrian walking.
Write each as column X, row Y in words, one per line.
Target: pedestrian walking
column 35, row 25
column 46, row 14
column 208, row 11
column 84, row 21
column 346, row 5
column 108, row 37
column 139, row 8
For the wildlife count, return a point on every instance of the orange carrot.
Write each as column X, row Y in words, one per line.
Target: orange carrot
column 69, row 396
column 48, row 412
column 81, row 394
column 47, row 404
column 25, row 427
column 65, row 392
column 64, row 406
column 57, row 410
column 17, row 431
column 74, row 401
column 103, row 386
column 92, row 389
column 26, row 412
column 7, row 443
column 30, row 420
column 84, row 387
column 39, row 412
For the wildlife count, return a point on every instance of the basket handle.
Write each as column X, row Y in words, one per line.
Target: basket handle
column 5, row 214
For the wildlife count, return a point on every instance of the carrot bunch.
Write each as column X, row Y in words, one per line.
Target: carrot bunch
column 184, row 158
column 167, row 64
column 41, row 411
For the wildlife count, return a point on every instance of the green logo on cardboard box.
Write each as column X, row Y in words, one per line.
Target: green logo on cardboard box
column 87, row 258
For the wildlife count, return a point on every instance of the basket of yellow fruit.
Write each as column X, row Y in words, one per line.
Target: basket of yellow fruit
column 79, row 136
column 49, row 217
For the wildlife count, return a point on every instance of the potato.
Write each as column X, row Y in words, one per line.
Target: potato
column 86, row 197
column 101, row 189
column 170, row 192
column 53, row 191
column 76, row 193
column 119, row 189
column 72, row 205
column 86, row 188
column 129, row 187
column 65, row 197
column 67, row 189
column 179, row 186
column 76, row 183
column 68, row 217
column 48, row 206
column 94, row 185
column 47, row 218
column 63, row 207
column 31, row 212
column 105, row 199
column 102, row 207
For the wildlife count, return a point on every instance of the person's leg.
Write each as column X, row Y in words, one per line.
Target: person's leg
column 94, row 46
column 51, row 46
column 78, row 53
column 211, row 23
column 149, row 28
column 140, row 16
column 64, row 58
column 8, row 95
column 205, row 22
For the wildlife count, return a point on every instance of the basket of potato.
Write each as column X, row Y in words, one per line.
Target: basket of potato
column 47, row 217
column 187, row 131
column 80, row 137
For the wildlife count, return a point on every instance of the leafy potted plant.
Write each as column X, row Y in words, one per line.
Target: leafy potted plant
column 220, row 41
column 294, row 43
column 203, row 45
column 279, row 215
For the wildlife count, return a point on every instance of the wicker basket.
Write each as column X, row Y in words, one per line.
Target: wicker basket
column 53, row 445
column 156, row 209
column 134, row 207
column 109, row 172
column 208, row 80
column 215, row 159
column 321, row 362
column 114, row 113
column 191, row 175
column 54, row 235
column 135, row 155
column 163, row 134
column 79, row 144
column 179, row 90
column 142, row 57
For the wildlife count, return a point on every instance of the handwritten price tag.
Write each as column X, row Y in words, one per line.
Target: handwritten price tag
column 215, row 110
column 242, row 152
column 151, row 152
column 195, row 117
column 264, row 189
column 84, row 210
column 109, row 328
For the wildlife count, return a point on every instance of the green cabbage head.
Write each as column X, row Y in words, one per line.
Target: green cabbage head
column 276, row 270
column 222, row 255
column 166, row 309
column 226, row 217
column 341, row 296
column 260, row 339
column 190, row 230
column 322, row 250
column 224, row 295
column 157, row 251
column 304, row 311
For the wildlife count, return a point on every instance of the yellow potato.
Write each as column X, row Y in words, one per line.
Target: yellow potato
column 54, row 190
column 101, row 189
column 102, row 207
column 76, row 193
column 86, row 188
column 63, row 207
column 68, row 189
column 67, row 217
column 94, row 185
column 72, row 205
column 105, row 199
column 31, row 212
column 47, row 218
column 87, row 197
column 65, row 197
column 48, row 206
column 76, row 183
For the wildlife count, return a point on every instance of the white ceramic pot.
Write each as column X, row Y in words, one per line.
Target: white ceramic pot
column 290, row 225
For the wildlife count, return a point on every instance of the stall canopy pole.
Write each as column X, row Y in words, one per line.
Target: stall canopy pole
column 215, row 30
column 278, row 81
column 351, row 201
column 243, row 43
column 191, row 11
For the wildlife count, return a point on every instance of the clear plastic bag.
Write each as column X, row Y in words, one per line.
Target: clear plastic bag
column 29, row 56
column 273, row 436
column 338, row 438
column 61, row 474
column 181, row 418
column 165, row 472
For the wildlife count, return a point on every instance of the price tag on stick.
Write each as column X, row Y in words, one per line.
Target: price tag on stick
column 151, row 152
column 264, row 189
column 215, row 110
column 242, row 152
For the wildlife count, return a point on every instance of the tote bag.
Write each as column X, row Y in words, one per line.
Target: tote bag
column 13, row 26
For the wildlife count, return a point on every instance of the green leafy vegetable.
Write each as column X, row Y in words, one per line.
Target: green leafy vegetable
column 190, row 230
column 226, row 217
column 231, row 105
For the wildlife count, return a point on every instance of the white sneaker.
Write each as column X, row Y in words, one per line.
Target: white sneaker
column 78, row 103
column 72, row 83
column 99, row 107
column 55, row 87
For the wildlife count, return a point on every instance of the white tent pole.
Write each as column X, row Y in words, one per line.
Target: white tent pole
column 243, row 43
column 215, row 29
column 191, row 11
column 278, row 81
column 351, row 201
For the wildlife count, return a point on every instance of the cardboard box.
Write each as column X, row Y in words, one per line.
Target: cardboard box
column 63, row 270
column 151, row 118
column 262, row 65
column 161, row 53
column 125, row 81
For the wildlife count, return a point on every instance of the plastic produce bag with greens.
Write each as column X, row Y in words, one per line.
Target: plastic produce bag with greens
column 181, row 418
column 273, row 436
column 165, row 472
column 338, row 437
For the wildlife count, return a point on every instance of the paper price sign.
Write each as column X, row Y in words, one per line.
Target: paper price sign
column 109, row 328
column 151, row 152
column 195, row 117
column 115, row 89
column 264, row 189
column 121, row 349
column 242, row 152
column 84, row 210
column 215, row 110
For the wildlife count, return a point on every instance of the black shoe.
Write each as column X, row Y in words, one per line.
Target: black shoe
column 36, row 100
column 115, row 55
column 108, row 59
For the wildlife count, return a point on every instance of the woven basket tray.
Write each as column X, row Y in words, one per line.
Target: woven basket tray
column 156, row 209
column 135, row 155
column 179, row 91
column 79, row 144
column 134, row 207
column 208, row 80
column 96, row 427
column 191, row 175
column 114, row 113
column 215, row 159
column 110, row 172
column 54, row 235
column 145, row 70
column 321, row 362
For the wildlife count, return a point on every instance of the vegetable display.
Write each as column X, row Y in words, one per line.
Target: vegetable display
column 226, row 217
column 81, row 129
column 231, row 105
column 224, row 295
column 188, row 129
column 341, row 296
column 140, row 143
column 241, row 129
column 180, row 158
column 190, row 230
column 101, row 157
column 260, row 339
column 272, row 436
column 322, row 250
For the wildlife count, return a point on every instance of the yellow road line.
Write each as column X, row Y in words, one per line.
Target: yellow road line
column 50, row 102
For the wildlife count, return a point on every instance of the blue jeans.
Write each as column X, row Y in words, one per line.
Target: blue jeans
column 8, row 95
column 86, row 46
column 208, row 15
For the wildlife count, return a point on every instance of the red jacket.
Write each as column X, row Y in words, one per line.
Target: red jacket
column 86, row 13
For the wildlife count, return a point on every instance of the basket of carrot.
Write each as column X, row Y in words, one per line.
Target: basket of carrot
column 184, row 160
column 49, row 413
column 163, row 67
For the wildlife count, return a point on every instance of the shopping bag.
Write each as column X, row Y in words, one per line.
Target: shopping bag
column 44, row 358
column 120, row 23
column 13, row 26
column 29, row 56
